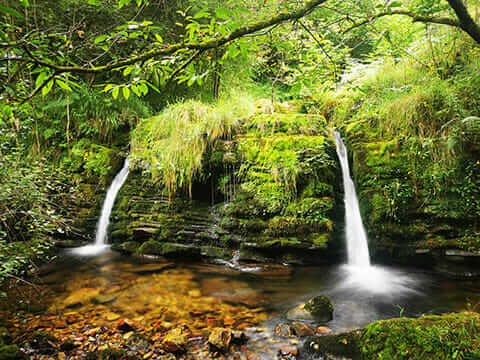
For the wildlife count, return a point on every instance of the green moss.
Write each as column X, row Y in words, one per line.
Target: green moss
column 321, row 240
column 454, row 336
column 150, row 247
column 320, row 306
column 10, row 352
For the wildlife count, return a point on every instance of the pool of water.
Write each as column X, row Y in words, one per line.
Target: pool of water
column 89, row 292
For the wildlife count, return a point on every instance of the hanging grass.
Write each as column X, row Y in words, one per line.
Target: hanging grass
column 172, row 144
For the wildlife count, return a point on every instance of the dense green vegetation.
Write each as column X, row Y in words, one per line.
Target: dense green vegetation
column 227, row 109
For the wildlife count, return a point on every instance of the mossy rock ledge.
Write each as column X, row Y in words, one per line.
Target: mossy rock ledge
column 275, row 185
column 428, row 337
column 418, row 208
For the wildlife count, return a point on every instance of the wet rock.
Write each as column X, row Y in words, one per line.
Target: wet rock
column 302, row 330
column 175, row 340
column 149, row 268
column 126, row 325
column 80, row 297
column 104, row 299
column 284, row 330
column 67, row 345
column 239, row 337
column 129, row 247
column 288, row 352
column 150, row 247
column 104, row 354
column 110, row 316
column 323, row 330
column 138, row 342
column 245, row 296
column 345, row 345
column 215, row 252
column 153, row 247
column 220, row 339
column 320, row 308
column 44, row 342
column 167, row 357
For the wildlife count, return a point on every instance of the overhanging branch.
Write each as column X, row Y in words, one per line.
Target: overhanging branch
column 404, row 12
column 281, row 17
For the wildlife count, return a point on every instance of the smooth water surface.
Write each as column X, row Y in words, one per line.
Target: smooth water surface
column 110, row 287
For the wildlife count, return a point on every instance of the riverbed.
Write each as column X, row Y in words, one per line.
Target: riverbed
column 84, row 299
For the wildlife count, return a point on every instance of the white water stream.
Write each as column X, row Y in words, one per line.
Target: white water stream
column 357, row 244
column 359, row 272
column 101, row 236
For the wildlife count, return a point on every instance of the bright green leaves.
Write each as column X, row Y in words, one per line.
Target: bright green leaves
column 138, row 87
column 126, row 92
column 122, row 3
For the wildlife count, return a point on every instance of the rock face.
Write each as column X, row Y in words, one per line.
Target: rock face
column 282, row 207
column 319, row 308
column 416, row 204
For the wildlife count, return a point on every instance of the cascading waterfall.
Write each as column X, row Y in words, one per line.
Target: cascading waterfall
column 102, row 224
column 360, row 273
column 357, row 244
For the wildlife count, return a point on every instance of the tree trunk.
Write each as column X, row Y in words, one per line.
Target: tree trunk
column 466, row 21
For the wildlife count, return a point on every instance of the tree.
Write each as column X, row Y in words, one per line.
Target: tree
column 53, row 57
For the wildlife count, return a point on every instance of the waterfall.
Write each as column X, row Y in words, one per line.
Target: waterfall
column 102, row 225
column 359, row 273
column 357, row 244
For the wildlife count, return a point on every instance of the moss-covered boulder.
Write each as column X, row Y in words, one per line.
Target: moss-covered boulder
column 443, row 337
column 319, row 308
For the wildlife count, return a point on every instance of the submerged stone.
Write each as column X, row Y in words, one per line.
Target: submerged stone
column 284, row 330
column 220, row 339
column 175, row 341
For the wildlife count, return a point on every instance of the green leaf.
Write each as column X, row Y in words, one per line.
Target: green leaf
column 40, row 79
column 136, row 90
column 126, row 92
column 201, row 14
column 159, row 38
column 64, row 85
column 395, row 4
column 115, row 93
column 223, row 13
column 100, row 38
column 10, row 11
column 93, row 2
column 128, row 70
column 46, row 89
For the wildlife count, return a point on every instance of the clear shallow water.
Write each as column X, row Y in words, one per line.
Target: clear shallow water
column 111, row 287
column 392, row 290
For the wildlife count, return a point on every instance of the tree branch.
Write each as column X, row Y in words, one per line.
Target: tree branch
column 321, row 47
column 38, row 89
column 411, row 14
column 205, row 45
column 466, row 21
column 184, row 65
